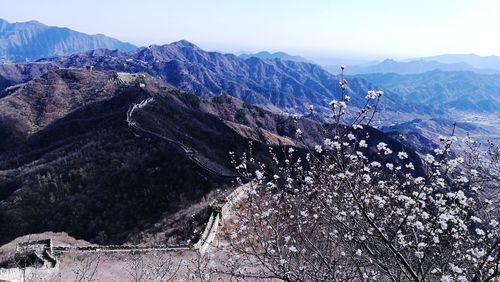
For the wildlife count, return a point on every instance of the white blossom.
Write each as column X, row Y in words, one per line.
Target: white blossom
column 381, row 146
column 308, row 180
column 419, row 254
column 429, row 158
column 446, row 278
column 371, row 94
column 318, row 149
column 362, row 144
column 455, row 268
column 475, row 219
column 419, row 225
column 259, row 174
column 480, row 232
column 402, row 155
column 493, row 223
column 419, row 180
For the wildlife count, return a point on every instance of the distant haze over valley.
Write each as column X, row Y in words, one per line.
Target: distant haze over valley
column 447, row 62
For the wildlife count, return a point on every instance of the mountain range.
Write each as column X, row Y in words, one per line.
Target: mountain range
column 412, row 67
column 447, row 62
column 28, row 41
column 423, row 134
column 265, row 55
column 278, row 81
column 78, row 156
column 459, row 90
column 32, row 40
column 277, row 85
column 476, row 61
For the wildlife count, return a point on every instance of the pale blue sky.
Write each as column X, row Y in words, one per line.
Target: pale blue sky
column 314, row 28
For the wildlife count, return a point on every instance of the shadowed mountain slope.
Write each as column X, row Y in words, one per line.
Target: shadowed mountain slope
column 79, row 160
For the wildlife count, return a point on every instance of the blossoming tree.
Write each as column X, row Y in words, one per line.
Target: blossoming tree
column 335, row 214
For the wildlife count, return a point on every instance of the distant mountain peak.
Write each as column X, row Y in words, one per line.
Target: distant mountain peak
column 481, row 62
column 32, row 40
column 183, row 43
column 420, row 65
column 266, row 55
column 277, row 84
column 445, row 90
column 388, row 60
column 35, row 22
column 3, row 24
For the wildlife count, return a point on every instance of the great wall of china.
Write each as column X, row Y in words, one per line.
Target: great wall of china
column 203, row 245
column 209, row 235
column 190, row 153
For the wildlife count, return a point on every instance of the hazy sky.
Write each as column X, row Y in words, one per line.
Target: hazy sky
column 314, row 28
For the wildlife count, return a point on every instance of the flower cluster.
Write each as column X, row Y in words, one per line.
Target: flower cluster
column 349, row 211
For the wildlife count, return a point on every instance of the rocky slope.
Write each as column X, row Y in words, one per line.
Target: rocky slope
column 28, row 41
column 12, row 74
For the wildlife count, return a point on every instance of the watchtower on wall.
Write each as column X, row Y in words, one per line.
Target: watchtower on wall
column 38, row 254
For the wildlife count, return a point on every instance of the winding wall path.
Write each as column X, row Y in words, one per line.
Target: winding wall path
column 190, row 154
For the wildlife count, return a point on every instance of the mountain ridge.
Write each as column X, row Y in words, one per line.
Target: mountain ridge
column 462, row 90
column 74, row 163
column 413, row 67
column 477, row 61
column 266, row 55
column 278, row 85
column 32, row 40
